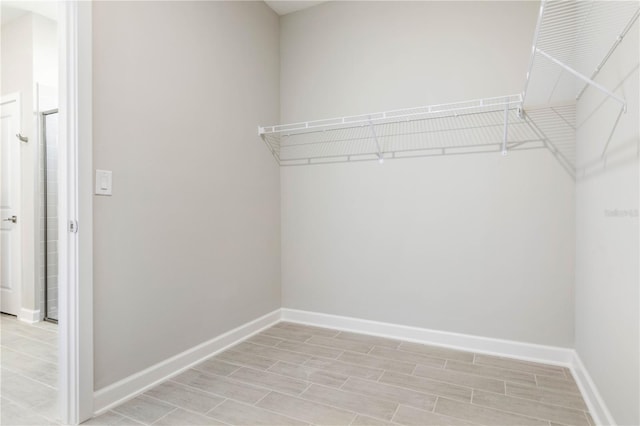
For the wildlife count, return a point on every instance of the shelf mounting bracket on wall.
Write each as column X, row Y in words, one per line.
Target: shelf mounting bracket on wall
column 506, row 130
column 375, row 138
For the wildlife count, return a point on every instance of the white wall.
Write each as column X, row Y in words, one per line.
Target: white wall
column 188, row 246
column 607, row 256
column 476, row 244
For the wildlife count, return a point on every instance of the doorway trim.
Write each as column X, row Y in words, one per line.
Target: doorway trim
column 75, row 212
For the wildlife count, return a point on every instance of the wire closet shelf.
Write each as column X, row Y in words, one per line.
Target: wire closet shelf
column 573, row 41
column 483, row 125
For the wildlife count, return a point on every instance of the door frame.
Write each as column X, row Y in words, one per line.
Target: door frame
column 75, row 212
column 7, row 99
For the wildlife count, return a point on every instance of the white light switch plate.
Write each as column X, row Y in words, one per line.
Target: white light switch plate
column 103, row 182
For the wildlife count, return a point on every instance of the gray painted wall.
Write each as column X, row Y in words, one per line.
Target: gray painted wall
column 607, row 275
column 477, row 244
column 188, row 246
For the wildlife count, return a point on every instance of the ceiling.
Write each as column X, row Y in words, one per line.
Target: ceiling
column 14, row 9
column 283, row 7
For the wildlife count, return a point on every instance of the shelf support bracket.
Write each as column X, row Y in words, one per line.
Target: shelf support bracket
column 506, row 129
column 375, row 138
column 584, row 78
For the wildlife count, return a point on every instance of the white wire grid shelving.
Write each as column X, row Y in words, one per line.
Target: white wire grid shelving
column 483, row 125
column 572, row 42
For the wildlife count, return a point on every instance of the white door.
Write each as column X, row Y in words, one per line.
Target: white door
column 9, row 207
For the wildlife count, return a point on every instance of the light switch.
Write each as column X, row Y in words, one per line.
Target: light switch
column 103, row 182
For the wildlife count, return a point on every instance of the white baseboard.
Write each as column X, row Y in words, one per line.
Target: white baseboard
column 29, row 316
column 486, row 345
column 597, row 407
column 565, row 357
column 125, row 389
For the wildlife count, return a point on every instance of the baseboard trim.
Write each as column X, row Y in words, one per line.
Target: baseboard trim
column 565, row 357
column 486, row 345
column 597, row 407
column 29, row 316
column 127, row 388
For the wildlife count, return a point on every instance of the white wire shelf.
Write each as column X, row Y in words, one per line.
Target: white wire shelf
column 573, row 41
column 483, row 125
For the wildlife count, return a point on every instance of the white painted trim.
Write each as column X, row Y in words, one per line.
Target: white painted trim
column 597, row 407
column 75, row 203
column 29, row 316
column 486, row 345
column 127, row 388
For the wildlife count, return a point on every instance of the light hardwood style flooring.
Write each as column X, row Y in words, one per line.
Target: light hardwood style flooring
column 294, row 375
column 28, row 373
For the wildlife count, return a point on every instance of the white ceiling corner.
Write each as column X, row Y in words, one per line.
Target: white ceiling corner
column 283, row 7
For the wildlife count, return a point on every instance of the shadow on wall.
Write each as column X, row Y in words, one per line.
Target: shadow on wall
column 624, row 152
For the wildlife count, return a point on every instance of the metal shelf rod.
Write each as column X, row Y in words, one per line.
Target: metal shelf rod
column 610, row 52
column 584, row 78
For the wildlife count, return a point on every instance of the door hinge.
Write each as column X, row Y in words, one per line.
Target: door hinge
column 73, row 226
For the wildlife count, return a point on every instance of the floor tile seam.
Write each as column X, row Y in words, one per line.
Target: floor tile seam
column 442, row 356
column 162, row 417
column 281, row 349
column 536, row 401
column 253, row 405
column 21, row 404
column 343, row 362
column 33, row 339
column 561, row 379
column 53, row 328
column 443, row 382
column 438, row 414
column 490, row 377
column 342, row 349
column 524, row 415
column 569, row 393
column 46, row 417
column 239, row 364
column 309, row 383
column 238, row 367
column 30, row 412
column 47, row 334
column 174, row 405
column 311, row 401
column 402, row 388
column 311, row 344
column 196, row 389
column 395, row 413
column 24, row 376
column 29, row 355
column 389, row 360
column 435, row 395
column 342, row 409
column 125, row 416
column 412, row 353
column 457, row 384
column 240, row 382
column 518, row 370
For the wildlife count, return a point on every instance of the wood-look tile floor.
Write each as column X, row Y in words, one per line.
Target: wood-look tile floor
column 28, row 373
column 292, row 374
